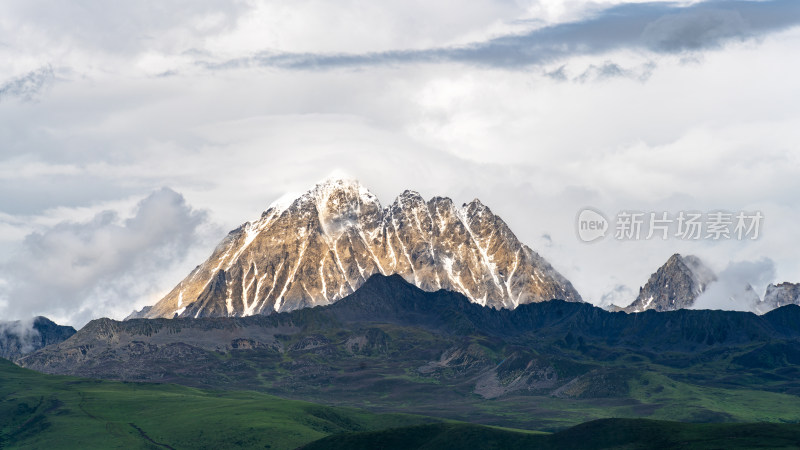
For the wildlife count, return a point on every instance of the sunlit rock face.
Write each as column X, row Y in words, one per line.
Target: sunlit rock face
column 326, row 244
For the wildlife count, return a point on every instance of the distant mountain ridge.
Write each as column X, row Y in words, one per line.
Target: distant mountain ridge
column 100, row 348
column 18, row 338
column 393, row 346
column 682, row 280
column 329, row 241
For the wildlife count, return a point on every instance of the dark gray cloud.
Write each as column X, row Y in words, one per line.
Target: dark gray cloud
column 559, row 74
column 611, row 69
column 76, row 271
column 27, row 87
column 657, row 27
column 695, row 30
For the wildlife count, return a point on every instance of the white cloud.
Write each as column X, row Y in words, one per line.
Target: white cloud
column 731, row 290
column 354, row 26
column 75, row 271
column 18, row 335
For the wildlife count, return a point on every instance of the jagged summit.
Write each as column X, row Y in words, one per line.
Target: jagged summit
column 328, row 241
column 675, row 285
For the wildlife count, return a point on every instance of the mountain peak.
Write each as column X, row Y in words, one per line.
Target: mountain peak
column 323, row 189
column 475, row 209
column 475, row 203
column 675, row 285
column 338, row 184
column 781, row 294
column 339, row 189
column 676, row 258
column 409, row 196
column 335, row 236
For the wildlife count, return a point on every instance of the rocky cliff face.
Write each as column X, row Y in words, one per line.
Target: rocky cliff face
column 781, row 295
column 675, row 285
column 328, row 242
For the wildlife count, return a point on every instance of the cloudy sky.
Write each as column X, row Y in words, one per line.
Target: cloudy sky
column 134, row 136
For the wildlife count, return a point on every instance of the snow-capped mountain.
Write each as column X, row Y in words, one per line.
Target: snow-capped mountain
column 326, row 244
column 675, row 285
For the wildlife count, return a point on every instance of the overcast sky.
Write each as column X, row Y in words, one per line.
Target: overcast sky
column 134, row 136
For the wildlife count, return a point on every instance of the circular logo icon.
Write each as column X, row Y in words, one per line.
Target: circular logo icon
column 591, row 224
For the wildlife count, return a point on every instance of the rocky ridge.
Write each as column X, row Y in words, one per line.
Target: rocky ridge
column 781, row 295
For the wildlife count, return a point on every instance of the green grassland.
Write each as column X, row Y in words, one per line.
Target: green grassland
column 44, row 411
column 41, row 411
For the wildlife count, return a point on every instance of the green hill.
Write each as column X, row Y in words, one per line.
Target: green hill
column 599, row 434
column 45, row 411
